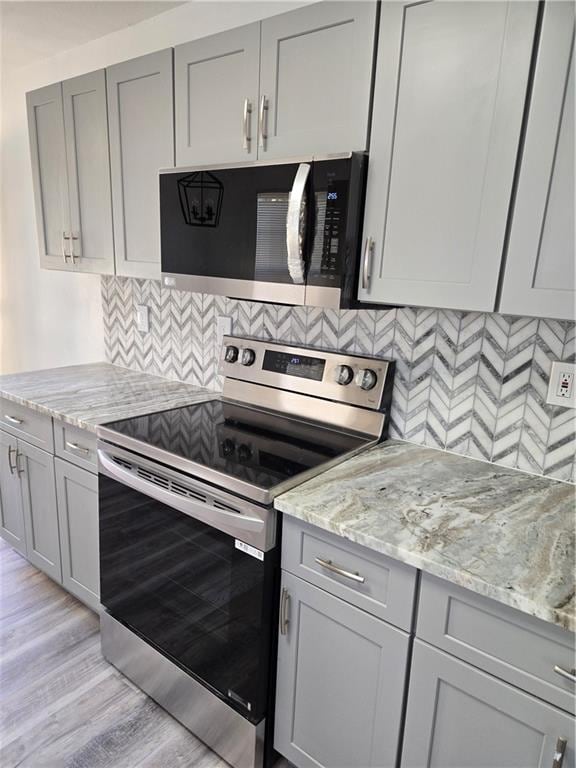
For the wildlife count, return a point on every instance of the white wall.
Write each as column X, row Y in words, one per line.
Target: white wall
column 55, row 318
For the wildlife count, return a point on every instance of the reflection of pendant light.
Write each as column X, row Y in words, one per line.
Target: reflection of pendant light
column 201, row 199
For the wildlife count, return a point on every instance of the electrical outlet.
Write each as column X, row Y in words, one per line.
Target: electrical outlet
column 223, row 326
column 142, row 318
column 561, row 389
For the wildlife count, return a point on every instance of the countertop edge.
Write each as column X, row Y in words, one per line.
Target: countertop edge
column 454, row 575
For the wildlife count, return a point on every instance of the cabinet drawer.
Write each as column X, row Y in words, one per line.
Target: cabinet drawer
column 371, row 581
column 31, row 426
column 76, row 445
column 507, row 643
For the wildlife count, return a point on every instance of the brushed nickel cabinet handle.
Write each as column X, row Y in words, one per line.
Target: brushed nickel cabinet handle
column 329, row 565
column 246, row 125
column 565, row 674
column 558, row 758
column 76, row 447
column 11, row 466
column 367, row 263
column 65, row 255
column 74, row 236
column 284, row 611
column 19, row 469
column 13, row 419
column 263, row 121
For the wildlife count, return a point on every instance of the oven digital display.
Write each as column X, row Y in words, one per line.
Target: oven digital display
column 294, row 365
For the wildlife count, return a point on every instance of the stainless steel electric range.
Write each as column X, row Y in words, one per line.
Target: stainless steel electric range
column 189, row 539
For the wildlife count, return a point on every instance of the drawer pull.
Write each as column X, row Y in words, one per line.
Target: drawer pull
column 13, row 419
column 558, row 758
column 76, row 447
column 284, row 611
column 565, row 674
column 329, row 565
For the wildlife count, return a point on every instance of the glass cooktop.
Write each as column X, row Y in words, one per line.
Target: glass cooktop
column 257, row 447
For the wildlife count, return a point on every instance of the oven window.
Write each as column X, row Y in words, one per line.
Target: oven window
column 186, row 589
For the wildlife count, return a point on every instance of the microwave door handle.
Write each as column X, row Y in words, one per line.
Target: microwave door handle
column 230, row 522
column 296, row 224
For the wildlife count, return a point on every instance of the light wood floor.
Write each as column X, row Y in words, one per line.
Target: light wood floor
column 61, row 704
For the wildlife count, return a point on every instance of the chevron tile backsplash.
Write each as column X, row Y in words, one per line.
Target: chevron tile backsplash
column 468, row 382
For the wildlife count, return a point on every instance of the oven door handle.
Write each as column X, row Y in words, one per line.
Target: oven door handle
column 296, row 224
column 236, row 524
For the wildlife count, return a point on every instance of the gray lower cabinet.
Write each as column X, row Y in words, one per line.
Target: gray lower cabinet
column 37, row 482
column 216, row 97
column 340, row 682
column 141, row 131
column 449, row 95
column 71, row 174
column 78, row 521
column 539, row 278
column 461, row 717
column 11, row 510
column 315, row 79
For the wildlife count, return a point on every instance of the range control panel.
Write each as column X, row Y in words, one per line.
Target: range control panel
column 351, row 379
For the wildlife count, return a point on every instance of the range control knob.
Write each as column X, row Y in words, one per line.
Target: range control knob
column 366, row 378
column 247, row 356
column 344, row 374
column 231, row 354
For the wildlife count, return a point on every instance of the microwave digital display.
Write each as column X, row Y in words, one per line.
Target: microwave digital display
column 294, row 365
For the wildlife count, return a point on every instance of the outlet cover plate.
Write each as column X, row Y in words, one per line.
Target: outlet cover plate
column 562, row 372
column 142, row 318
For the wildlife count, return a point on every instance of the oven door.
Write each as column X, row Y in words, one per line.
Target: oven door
column 202, row 597
column 227, row 231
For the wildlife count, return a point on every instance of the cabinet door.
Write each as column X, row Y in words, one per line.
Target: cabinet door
column 46, row 129
column 40, row 514
column 141, row 125
column 86, row 132
column 448, row 103
column 11, row 512
column 78, row 518
column 315, row 79
column 539, row 278
column 459, row 717
column 216, row 94
column 340, row 682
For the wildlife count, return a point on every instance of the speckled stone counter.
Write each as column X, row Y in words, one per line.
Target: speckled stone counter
column 88, row 395
column 499, row 532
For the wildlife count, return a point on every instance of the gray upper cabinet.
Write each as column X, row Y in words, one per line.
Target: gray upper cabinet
column 216, row 97
column 36, row 468
column 539, row 275
column 460, row 717
column 315, row 79
column 11, row 511
column 340, row 682
column 450, row 89
column 71, row 175
column 48, row 155
column 78, row 521
column 86, row 132
column 141, row 129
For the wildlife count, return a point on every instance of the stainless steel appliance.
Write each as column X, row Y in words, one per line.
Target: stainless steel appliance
column 189, row 537
column 286, row 232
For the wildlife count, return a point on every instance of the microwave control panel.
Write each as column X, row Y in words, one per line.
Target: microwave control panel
column 333, row 227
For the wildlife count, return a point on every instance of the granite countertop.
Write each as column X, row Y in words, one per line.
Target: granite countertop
column 499, row 532
column 88, row 395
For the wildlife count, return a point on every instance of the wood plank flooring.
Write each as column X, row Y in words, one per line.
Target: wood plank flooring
column 61, row 704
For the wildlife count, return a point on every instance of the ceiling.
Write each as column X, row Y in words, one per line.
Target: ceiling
column 37, row 30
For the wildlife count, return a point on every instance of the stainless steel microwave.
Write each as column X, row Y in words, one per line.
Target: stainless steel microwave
column 288, row 232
